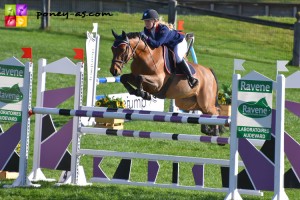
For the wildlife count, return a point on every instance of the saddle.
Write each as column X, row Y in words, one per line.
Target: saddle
column 170, row 63
column 172, row 69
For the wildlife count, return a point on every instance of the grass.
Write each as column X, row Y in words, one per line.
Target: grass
column 218, row 42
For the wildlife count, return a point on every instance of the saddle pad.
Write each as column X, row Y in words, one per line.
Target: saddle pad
column 170, row 63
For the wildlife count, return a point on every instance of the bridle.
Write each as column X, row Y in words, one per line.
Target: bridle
column 120, row 63
column 125, row 57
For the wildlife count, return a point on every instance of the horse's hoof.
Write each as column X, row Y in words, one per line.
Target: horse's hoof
column 144, row 95
column 147, row 96
column 139, row 93
column 215, row 132
column 222, row 129
column 205, row 129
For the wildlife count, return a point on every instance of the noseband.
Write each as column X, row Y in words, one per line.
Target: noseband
column 126, row 56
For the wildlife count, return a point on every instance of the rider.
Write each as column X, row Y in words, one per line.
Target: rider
column 156, row 34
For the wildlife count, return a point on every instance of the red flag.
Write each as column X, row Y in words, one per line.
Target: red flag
column 27, row 52
column 79, row 54
column 180, row 25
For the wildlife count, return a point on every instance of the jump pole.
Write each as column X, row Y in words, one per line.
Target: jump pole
column 130, row 111
column 132, row 116
column 156, row 135
column 109, row 79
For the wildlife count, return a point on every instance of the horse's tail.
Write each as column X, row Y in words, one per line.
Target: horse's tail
column 217, row 104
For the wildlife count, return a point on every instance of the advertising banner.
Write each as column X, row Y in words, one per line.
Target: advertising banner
column 254, row 113
column 11, row 95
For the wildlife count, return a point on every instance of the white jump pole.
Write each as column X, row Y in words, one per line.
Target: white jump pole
column 279, row 192
column 22, row 179
column 233, row 170
column 92, row 51
column 92, row 54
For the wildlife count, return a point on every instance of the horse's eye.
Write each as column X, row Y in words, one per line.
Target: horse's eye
column 122, row 46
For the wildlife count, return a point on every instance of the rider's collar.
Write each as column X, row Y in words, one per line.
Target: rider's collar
column 157, row 28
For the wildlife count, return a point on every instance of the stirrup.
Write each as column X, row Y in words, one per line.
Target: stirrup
column 193, row 82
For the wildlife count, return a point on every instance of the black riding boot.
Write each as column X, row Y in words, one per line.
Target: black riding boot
column 185, row 67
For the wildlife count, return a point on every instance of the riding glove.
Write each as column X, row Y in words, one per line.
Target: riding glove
column 144, row 36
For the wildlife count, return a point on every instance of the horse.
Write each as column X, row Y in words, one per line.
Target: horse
column 150, row 77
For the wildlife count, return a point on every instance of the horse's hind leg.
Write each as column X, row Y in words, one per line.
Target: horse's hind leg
column 208, row 106
column 214, row 130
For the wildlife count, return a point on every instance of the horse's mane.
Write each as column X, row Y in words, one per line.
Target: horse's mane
column 133, row 35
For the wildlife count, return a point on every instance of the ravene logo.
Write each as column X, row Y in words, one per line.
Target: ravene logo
column 254, row 109
column 11, row 94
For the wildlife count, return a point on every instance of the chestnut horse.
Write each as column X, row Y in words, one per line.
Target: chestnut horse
column 149, row 77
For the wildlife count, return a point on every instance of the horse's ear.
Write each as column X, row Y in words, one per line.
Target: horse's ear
column 124, row 36
column 114, row 34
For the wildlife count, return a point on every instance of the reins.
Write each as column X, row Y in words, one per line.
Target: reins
column 151, row 55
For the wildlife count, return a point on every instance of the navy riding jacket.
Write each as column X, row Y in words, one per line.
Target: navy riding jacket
column 163, row 36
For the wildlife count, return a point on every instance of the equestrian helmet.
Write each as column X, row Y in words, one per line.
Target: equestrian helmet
column 150, row 14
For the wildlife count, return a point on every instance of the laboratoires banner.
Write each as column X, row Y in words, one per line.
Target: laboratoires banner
column 11, row 96
column 254, row 114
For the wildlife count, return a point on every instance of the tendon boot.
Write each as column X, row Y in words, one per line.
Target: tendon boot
column 185, row 67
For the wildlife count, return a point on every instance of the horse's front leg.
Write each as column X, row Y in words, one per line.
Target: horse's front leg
column 139, row 90
column 129, row 80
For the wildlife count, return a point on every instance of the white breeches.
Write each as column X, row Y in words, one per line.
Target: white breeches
column 180, row 50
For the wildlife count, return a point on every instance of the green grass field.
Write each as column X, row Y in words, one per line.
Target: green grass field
column 218, row 42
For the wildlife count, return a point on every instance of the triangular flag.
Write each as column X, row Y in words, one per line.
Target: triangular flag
column 281, row 65
column 79, row 54
column 238, row 64
column 27, row 52
column 292, row 81
column 95, row 28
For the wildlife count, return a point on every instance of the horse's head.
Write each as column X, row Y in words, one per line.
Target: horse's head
column 122, row 52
